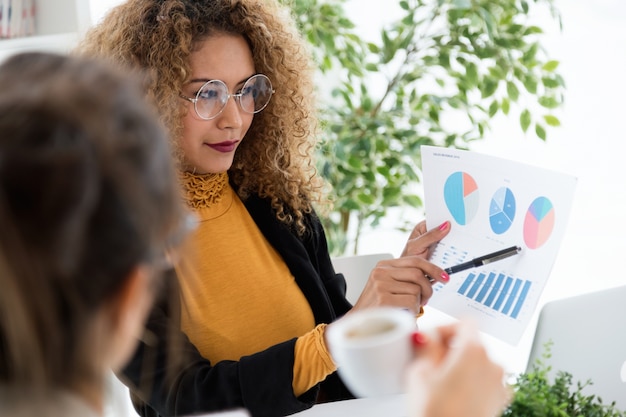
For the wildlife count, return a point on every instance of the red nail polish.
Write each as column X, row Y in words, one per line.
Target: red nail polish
column 419, row 339
column 443, row 225
column 445, row 277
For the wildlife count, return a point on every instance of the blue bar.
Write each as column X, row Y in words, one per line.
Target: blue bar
column 509, row 302
column 483, row 292
column 476, row 286
column 520, row 300
column 494, row 291
column 503, row 294
column 466, row 284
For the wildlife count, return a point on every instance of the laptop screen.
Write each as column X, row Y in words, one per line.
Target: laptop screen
column 588, row 336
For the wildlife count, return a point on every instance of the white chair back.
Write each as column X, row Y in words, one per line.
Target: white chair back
column 356, row 269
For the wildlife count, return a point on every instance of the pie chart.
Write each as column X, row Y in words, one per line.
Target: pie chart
column 502, row 210
column 461, row 196
column 539, row 222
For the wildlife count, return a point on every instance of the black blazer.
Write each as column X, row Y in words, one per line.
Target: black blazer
column 262, row 382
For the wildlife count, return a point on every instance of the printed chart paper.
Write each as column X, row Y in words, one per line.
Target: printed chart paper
column 492, row 204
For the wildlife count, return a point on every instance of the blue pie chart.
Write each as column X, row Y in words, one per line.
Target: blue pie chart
column 461, row 196
column 502, row 210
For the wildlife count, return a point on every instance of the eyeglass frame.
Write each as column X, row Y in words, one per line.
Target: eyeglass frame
column 236, row 96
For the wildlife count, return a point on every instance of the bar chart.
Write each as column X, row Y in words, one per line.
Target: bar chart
column 498, row 291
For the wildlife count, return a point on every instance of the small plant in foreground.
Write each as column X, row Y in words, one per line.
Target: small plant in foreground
column 538, row 395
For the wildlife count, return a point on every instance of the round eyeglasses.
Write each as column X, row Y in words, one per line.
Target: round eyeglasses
column 212, row 97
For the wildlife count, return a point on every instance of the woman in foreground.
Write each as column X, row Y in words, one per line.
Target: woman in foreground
column 88, row 205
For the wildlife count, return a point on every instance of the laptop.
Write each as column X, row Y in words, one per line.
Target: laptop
column 588, row 334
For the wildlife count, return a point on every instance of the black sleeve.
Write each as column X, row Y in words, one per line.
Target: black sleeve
column 168, row 377
column 335, row 284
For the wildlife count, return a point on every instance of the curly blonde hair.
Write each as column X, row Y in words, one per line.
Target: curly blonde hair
column 158, row 36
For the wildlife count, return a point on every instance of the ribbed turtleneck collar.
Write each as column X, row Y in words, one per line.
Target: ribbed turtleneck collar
column 204, row 190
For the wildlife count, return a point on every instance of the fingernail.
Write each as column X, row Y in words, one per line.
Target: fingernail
column 443, row 225
column 419, row 339
column 445, row 277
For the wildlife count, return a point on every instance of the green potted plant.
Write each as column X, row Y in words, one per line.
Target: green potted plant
column 536, row 394
column 438, row 75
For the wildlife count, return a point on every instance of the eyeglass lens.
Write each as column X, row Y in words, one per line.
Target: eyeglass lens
column 253, row 97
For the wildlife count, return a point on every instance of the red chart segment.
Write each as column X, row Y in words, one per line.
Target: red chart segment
column 539, row 222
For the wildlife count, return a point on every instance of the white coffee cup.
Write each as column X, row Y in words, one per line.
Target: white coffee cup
column 372, row 349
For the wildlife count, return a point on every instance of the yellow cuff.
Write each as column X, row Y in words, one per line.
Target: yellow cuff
column 312, row 361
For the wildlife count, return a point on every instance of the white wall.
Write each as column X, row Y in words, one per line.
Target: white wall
column 100, row 7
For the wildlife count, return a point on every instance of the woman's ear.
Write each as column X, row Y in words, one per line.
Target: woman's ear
column 129, row 309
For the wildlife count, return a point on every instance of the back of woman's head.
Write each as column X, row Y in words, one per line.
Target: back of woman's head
column 87, row 193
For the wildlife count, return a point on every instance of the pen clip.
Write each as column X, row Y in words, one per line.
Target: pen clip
column 500, row 256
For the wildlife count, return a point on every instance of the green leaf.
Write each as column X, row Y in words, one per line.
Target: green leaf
column 373, row 48
column 548, row 102
column 525, row 7
column 530, row 54
column 490, row 21
column 550, row 82
column 408, row 20
column 533, row 30
column 550, row 65
column 524, row 120
column 412, row 200
column 369, row 176
column 455, row 103
column 365, row 198
column 552, row 120
column 391, row 193
column 471, row 72
column 383, row 170
column 540, row 131
column 493, row 108
column 355, row 162
column 444, row 59
column 505, row 105
column 530, row 83
column 489, row 86
column 512, row 90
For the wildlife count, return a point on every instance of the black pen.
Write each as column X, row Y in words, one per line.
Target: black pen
column 484, row 260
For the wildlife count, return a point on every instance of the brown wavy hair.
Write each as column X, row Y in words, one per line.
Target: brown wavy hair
column 87, row 192
column 276, row 159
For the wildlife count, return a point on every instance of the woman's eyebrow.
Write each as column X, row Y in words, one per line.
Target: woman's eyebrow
column 200, row 80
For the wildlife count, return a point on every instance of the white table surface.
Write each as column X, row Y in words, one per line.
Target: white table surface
column 387, row 406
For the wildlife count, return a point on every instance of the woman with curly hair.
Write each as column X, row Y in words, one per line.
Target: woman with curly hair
column 257, row 287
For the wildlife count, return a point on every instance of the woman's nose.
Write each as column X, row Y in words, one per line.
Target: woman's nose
column 231, row 115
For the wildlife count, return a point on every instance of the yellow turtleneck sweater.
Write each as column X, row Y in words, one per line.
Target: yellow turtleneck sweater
column 238, row 295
